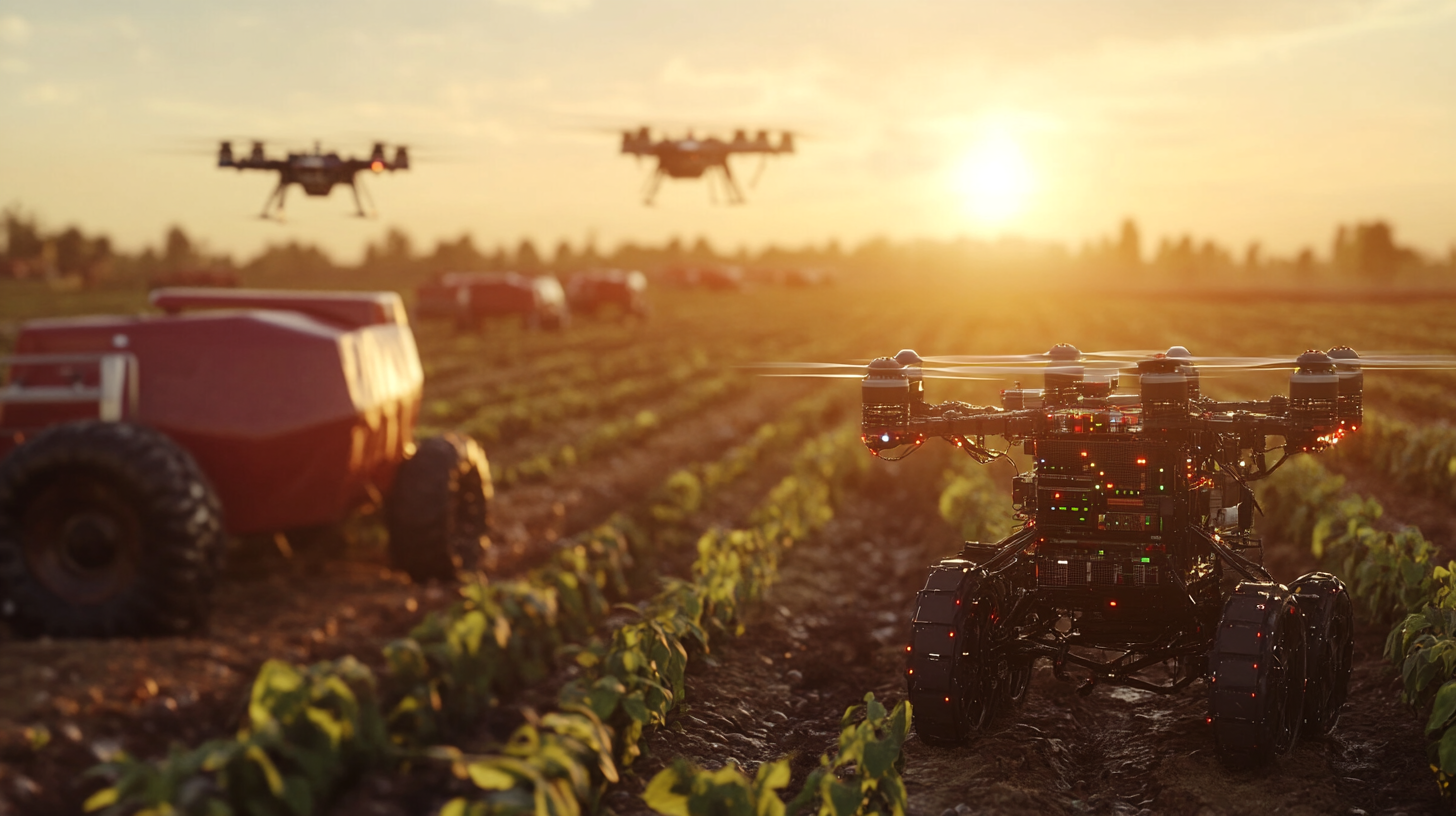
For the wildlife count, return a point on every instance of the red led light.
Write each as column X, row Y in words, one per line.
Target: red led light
column 1112, row 603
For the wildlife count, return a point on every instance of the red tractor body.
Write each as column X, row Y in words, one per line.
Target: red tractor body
column 298, row 406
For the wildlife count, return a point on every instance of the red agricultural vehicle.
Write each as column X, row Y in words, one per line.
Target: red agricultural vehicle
column 470, row 298
column 714, row 277
column 130, row 447
column 603, row 291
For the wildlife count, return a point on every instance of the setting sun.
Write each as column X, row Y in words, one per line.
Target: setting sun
column 994, row 180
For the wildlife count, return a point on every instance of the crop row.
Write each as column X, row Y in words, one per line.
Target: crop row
column 861, row 776
column 1425, row 398
column 516, row 415
column 1393, row 575
column 585, row 371
column 1420, row 458
column 525, row 359
column 606, row 388
column 636, row 681
column 613, row 434
column 311, row 727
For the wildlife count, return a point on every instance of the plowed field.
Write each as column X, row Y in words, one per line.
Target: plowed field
column 582, row 424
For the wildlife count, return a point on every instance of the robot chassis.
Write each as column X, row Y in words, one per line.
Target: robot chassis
column 1136, row 507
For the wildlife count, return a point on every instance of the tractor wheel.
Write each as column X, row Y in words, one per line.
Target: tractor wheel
column 1257, row 674
column 106, row 529
column 950, row 673
column 436, row 513
column 1330, row 635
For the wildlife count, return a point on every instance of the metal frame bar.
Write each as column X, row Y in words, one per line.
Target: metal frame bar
column 117, row 395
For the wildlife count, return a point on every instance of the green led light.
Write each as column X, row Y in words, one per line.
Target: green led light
column 1147, row 560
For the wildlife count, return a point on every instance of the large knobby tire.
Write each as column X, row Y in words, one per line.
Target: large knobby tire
column 436, row 512
column 1330, row 637
column 1257, row 674
column 106, row 529
column 951, row 676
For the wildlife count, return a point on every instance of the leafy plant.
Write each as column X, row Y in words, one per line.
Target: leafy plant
column 971, row 502
column 861, row 776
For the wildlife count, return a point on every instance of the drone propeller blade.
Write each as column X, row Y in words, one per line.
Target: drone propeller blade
column 1044, row 358
column 855, row 371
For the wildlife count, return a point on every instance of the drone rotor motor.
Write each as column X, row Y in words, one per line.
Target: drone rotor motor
column 887, row 397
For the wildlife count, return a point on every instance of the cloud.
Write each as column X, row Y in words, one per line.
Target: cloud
column 14, row 29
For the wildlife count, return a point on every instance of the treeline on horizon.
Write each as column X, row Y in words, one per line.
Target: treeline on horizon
column 1358, row 253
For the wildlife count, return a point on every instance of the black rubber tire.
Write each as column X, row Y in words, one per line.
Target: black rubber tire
column 1330, row 637
column 955, row 694
column 1257, row 675
column 438, row 509
column 106, row 529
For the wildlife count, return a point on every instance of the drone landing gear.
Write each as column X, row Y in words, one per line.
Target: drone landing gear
column 952, row 671
column 649, row 190
column 730, row 186
column 359, row 210
column 1257, row 674
column 277, row 195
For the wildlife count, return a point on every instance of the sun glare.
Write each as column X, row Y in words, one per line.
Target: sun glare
column 995, row 180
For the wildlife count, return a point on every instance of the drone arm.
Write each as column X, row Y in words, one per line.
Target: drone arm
column 883, row 429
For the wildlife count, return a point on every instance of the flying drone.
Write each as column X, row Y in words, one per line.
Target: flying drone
column 691, row 158
column 317, row 172
column 1136, row 506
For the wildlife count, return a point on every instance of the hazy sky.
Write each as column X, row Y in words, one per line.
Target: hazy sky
column 1240, row 120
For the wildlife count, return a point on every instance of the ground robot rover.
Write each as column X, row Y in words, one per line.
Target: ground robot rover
column 1136, row 507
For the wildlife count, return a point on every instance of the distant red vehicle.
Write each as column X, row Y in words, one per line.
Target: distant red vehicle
column 608, row 290
column 711, row 276
column 132, row 445
column 471, row 298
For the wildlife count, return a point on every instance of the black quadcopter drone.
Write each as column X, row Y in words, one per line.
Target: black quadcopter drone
column 1135, row 507
column 691, row 157
column 317, row 172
